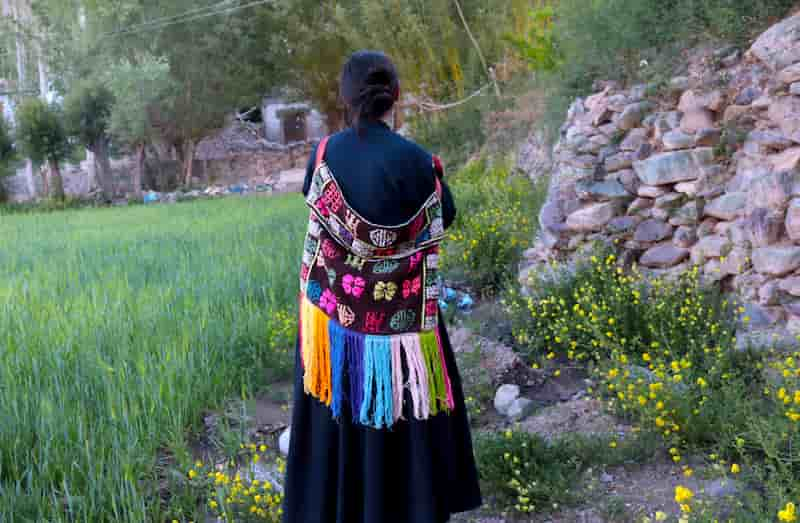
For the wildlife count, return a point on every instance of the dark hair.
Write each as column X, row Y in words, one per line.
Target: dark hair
column 369, row 86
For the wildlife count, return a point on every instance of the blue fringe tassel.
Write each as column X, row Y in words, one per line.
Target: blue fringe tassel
column 338, row 356
column 377, row 378
column 354, row 346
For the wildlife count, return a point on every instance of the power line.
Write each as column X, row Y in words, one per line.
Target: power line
column 171, row 17
column 183, row 18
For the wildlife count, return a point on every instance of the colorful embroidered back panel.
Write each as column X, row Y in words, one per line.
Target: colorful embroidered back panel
column 369, row 309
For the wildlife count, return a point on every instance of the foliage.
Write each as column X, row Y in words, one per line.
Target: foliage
column 608, row 39
column 40, row 132
column 539, row 48
column 119, row 330
column 663, row 354
column 7, row 154
column 493, row 225
column 87, row 110
column 227, row 494
column 528, row 474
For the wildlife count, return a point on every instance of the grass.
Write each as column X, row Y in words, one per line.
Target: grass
column 117, row 329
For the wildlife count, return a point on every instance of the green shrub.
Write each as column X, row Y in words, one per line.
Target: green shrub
column 493, row 227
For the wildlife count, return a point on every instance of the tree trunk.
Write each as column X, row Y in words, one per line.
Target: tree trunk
column 91, row 166
column 29, row 178
column 104, row 176
column 138, row 172
column 56, row 182
column 188, row 162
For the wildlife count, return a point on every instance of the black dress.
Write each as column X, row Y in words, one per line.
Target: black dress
column 418, row 471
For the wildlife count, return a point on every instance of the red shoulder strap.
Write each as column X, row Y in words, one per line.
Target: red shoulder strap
column 323, row 144
column 439, row 168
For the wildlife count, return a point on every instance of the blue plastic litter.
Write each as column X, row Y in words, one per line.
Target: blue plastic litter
column 443, row 305
column 237, row 189
column 450, row 294
column 151, row 197
column 466, row 302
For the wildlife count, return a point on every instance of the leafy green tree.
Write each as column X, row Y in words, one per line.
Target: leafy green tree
column 139, row 89
column 42, row 137
column 87, row 111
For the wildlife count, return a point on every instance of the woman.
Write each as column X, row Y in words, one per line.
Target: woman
column 379, row 428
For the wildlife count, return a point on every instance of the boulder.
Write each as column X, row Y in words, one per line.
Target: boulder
column 779, row 46
column 663, row 256
column 688, row 188
column 629, row 180
column 794, row 89
column 747, row 96
column 709, row 137
column 736, row 262
column 639, row 205
column 688, row 214
column 706, row 227
column 776, row 261
column 652, row 231
column 622, row 224
column 677, row 139
column 593, row 217
column 673, row 167
column 635, row 140
column 711, row 247
column 520, row 408
column 685, row 237
column 734, row 113
column 620, row 161
column 790, row 286
column 585, row 161
column 695, row 119
column 670, row 200
column 284, row 441
column 505, row 397
column 790, row 75
column 633, row 115
column 764, row 142
column 785, row 112
column 793, row 220
column 603, row 191
column 665, row 122
column 764, row 227
column 651, row 191
column 769, row 293
column 728, row 206
column 788, row 160
column 771, row 191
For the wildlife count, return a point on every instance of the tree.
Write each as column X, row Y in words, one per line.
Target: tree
column 139, row 90
column 42, row 137
column 87, row 110
column 6, row 153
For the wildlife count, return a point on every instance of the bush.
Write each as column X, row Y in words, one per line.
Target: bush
column 494, row 224
column 608, row 39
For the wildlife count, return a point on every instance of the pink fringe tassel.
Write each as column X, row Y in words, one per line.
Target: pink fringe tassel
column 417, row 376
column 397, row 378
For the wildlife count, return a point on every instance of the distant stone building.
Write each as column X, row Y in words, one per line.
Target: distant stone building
column 288, row 123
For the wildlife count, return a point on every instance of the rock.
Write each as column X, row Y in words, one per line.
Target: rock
column 706, row 227
column 764, row 227
column 739, row 233
column 622, row 224
column 747, row 96
column 689, row 214
column 695, row 119
column 664, row 256
column 779, row 46
column 666, row 122
column 603, row 191
column 651, row 191
column 794, row 89
column 672, row 167
column 670, row 200
column 770, row 192
column 736, row 262
column 762, row 103
column 769, row 293
column 711, row 247
column 619, row 161
column 633, row 115
column 735, row 112
column 788, row 160
column 685, row 237
column 679, row 83
column 722, row 488
column 767, row 141
column 635, row 140
column 728, row 206
column 708, row 137
column 790, row 75
column 629, row 180
column 790, row 286
column 776, row 261
column 677, row 139
column 592, row 218
column 505, row 397
column 777, row 339
column 785, row 112
column 284, row 441
column 520, row 408
column 652, row 231
column 748, row 169
column 793, row 220
column 659, row 214
column 585, row 161
column 688, row 188
column 639, row 205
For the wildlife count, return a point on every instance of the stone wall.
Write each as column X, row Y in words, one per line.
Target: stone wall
column 703, row 171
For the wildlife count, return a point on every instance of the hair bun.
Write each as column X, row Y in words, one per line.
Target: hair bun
column 369, row 86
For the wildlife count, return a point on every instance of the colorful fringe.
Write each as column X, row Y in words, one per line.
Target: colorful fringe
column 370, row 374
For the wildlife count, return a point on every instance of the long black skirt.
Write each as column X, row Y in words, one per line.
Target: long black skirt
column 415, row 472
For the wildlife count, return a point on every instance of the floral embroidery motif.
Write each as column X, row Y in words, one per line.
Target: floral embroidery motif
column 414, row 261
column 384, row 291
column 355, row 262
column 382, row 237
column 332, row 198
column 346, row 315
column 431, row 308
column 329, row 250
column 328, row 302
column 353, row 285
column 402, row 320
column 412, row 287
column 374, row 321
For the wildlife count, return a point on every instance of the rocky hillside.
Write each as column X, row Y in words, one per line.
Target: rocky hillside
column 702, row 170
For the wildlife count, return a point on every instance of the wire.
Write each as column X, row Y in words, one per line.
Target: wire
column 163, row 19
column 183, row 18
column 433, row 107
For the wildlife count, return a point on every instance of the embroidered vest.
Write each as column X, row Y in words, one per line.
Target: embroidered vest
column 369, row 309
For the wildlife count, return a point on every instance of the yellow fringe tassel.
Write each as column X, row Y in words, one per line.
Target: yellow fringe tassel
column 316, row 351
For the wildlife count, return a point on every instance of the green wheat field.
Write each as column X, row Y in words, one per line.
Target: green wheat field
column 117, row 329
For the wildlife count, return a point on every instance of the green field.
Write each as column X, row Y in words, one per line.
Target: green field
column 117, row 328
